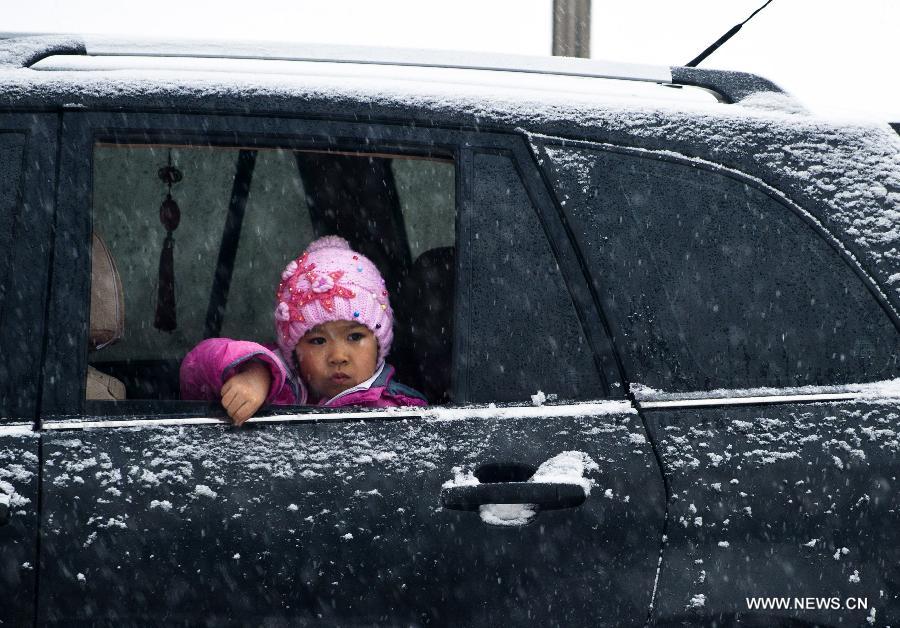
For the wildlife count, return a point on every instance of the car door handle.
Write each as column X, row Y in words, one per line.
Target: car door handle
column 546, row 495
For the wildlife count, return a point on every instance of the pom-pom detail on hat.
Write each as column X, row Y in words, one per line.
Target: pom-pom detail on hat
column 290, row 270
column 282, row 312
column 328, row 242
column 323, row 283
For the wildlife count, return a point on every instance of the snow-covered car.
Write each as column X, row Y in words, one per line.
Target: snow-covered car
column 655, row 309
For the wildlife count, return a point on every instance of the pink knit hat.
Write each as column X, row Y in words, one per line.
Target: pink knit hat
column 331, row 282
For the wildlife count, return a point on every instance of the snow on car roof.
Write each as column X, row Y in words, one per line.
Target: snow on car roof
column 497, row 79
column 23, row 51
column 98, row 45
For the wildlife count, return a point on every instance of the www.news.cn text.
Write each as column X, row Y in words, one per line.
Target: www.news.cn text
column 807, row 603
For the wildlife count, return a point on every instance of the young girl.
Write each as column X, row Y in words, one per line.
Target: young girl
column 334, row 327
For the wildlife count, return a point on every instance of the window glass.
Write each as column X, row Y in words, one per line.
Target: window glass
column 710, row 283
column 424, row 187
column 524, row 333
column 127, row 196
column 276, row 197
column 11, row 147
column 244, row 214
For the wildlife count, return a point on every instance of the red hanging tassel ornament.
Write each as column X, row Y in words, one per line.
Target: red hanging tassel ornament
column 169, row 216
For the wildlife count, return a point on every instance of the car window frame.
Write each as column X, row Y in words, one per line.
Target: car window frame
column 29, row 260
column 63, row 385
column 540, row 144
column 573, row 271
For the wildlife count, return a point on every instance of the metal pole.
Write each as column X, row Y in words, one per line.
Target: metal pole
column 572, row 28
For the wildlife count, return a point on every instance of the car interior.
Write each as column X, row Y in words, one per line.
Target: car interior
column 206, row 263
column 107, row 319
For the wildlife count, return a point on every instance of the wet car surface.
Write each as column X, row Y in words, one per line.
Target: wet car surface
column 660, row 330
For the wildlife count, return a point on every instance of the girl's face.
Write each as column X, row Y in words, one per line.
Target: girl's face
column 335, row 356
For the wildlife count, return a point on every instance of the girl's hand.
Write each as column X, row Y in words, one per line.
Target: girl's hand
column 246, row 391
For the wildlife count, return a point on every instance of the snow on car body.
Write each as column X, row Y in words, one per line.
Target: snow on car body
column 706, row 287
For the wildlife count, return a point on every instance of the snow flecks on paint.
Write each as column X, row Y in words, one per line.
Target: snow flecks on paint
column 178, row 471
column 793, row 469
column 461, row 477
column 205, row 491
column 569, row 467
column 758, row 441
column 697, row 601
column 766, row 456
column 111, row 522
column 507, row 514
column 18, row 466
column 889, row 389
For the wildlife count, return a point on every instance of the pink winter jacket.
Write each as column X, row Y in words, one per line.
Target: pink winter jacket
column 212, row 362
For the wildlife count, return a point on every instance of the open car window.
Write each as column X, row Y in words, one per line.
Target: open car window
column 210, row 267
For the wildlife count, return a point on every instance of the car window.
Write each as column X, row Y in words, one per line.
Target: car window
column 524, row 334
column 243, row 215
column 12, row 146
column 709, row 282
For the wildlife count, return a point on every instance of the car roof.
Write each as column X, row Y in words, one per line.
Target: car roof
column 99, row 53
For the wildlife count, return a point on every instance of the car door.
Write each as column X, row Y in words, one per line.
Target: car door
column 27, row 167
column 762, row 356
column 159, row 511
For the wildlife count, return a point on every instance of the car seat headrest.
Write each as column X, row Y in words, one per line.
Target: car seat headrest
column 107, row 323
column 425, row 350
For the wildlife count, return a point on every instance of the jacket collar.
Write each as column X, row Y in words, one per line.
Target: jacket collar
column 378, row 381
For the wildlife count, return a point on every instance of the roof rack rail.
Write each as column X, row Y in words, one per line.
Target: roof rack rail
column 731, row 86
column 24, row 50
column 18, row 51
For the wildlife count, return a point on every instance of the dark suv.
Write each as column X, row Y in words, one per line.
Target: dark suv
column 655, row 309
